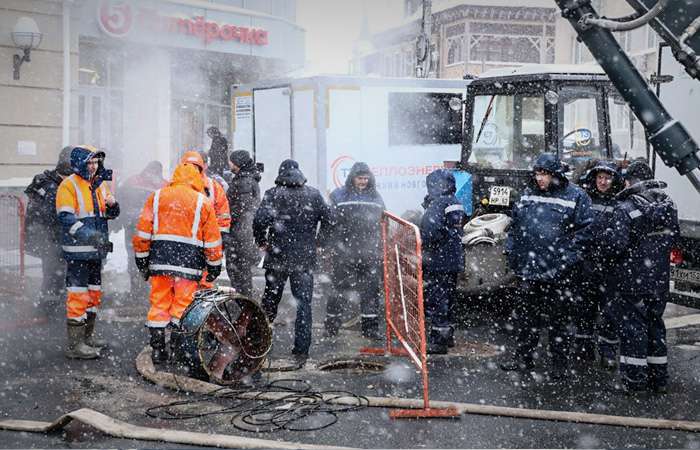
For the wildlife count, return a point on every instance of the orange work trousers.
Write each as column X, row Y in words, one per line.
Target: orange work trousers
column 170, row 296
column 84, row 288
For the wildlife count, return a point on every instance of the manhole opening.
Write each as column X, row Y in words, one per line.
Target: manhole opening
column 351, row 365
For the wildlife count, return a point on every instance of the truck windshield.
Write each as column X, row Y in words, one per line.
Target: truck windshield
column 507, row 130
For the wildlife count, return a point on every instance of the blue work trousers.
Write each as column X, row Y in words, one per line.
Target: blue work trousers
column 302, row 284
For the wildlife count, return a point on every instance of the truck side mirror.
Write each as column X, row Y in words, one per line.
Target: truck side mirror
column 260, row 166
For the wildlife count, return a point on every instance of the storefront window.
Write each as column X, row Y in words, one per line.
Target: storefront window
column 100, row 98
column 100, row 66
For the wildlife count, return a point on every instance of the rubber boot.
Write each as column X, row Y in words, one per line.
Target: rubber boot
column 159, row 354
column 451, row 337
column 437, row 342
column 77, row 348
column 90, row 338
column 175, row 341
column 331, row 325
column 370, row 328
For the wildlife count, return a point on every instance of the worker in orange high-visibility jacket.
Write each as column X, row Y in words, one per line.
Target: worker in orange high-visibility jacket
column 84, row 204
column 217, row 196
column 176, row 239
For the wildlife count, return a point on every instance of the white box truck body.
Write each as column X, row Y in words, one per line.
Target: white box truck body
column 681, row 97
column 402, row 128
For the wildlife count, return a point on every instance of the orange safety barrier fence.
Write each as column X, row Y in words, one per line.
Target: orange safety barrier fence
column 405, row 315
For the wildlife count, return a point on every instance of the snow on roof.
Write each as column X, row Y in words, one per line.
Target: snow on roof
column 536, row 69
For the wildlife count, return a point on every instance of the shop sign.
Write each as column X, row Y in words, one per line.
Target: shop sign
column 118, row 18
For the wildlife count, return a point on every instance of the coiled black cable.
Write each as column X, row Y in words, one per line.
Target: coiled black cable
column 302, row 409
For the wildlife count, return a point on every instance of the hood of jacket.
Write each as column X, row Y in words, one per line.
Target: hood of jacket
column 250, row 170
column 289, row 174
column 54, row 176
column 441, row 182
column 549, row 162
column 588, row 181
column 79, row 158
column 648, row 188
column 357, row 169
column 188, row 175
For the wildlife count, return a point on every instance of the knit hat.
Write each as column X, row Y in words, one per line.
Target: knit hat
column 638, row 170
column 240, row 158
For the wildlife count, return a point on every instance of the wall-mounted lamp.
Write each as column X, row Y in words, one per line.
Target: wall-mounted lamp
column 26, row 36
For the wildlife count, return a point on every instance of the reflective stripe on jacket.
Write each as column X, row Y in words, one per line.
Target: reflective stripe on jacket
column 177, row 230
column 82, row 212
column 546, row 237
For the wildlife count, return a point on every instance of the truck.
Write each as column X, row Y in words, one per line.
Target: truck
column 511, row 116
column 402, row 127
column 672, row 127
column 685, row 258
column 497, row 143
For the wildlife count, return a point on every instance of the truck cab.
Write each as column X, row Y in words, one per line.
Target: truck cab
column 513, row 115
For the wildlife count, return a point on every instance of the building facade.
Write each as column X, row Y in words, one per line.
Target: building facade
column 141, row 80
column 469, row 37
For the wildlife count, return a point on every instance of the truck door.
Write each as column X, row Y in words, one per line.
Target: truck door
column 583, row 129
column 272, row 130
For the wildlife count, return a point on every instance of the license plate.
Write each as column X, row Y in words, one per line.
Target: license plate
column 685, row 276
column 499, row 196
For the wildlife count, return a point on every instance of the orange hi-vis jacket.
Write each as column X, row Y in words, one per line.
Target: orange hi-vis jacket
column 215, row 191
column 82, row 212
column 217, row 196
column 177, row 230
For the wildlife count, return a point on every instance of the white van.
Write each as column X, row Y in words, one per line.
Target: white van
column 402, row 127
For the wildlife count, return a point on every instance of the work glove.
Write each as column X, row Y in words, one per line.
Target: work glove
column 101, row 242
column 212, row 272
column 142, row 265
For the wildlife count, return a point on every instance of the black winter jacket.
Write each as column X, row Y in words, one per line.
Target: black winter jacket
column 42, row 228
column 645, row 228
column 243, row 198
column 286, row 222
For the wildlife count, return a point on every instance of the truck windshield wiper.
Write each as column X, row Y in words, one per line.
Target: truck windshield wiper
column 486, row 118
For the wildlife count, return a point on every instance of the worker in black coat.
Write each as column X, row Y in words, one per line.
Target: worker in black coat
column 243, row 197
column 42, row 228
column 285, row 228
